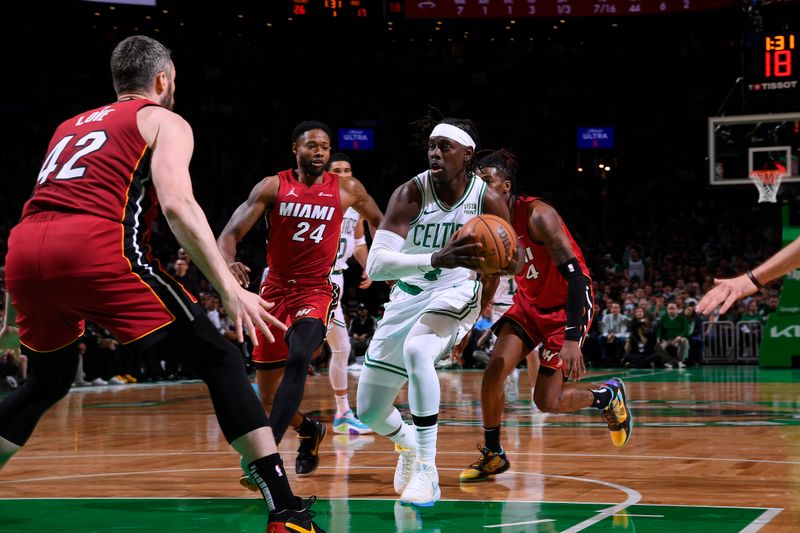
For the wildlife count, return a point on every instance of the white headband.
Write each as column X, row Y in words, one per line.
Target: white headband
column 453, row 132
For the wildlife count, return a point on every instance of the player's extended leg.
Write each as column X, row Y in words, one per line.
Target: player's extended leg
column 508, row 351
column 533, row 372
column 345, row 421
column 50, row 376
column 428, row 339
column 303, row 338
column 310, row 432
column 239, row 413
column 553, row 395
column 377, row 390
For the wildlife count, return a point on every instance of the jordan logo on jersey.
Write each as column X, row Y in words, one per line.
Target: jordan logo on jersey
column 292, row 193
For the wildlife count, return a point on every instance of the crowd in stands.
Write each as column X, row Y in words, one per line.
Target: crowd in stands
column 644, row 313
column 652, row 233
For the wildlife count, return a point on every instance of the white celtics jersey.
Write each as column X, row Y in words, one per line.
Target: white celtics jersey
column 504, row 295
column 436, row 224
column 347, row 240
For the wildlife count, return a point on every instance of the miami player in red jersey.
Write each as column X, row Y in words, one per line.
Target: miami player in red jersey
column 304, row 207
column 105, row 172
column 552, row 305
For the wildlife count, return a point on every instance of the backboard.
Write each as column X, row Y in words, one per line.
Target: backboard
column 737, row 145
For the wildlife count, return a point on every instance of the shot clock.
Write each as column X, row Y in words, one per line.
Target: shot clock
column 772, row 70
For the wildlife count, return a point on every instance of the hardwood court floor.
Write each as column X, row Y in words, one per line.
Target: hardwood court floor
column 714, row 449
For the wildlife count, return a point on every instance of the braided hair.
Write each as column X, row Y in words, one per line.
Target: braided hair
column 503, row 160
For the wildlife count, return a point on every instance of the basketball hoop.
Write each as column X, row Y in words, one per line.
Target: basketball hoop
column 767, row 182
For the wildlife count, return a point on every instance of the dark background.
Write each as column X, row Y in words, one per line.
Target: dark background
column 246, row 75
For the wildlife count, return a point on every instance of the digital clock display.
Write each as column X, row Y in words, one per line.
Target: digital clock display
column 771, row 63
column 335, row 8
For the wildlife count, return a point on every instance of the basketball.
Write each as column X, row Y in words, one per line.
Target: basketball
column 498, row 238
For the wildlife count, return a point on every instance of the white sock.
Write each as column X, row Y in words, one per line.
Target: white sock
column 406, row 437
column 342, row 403
column 426, row 443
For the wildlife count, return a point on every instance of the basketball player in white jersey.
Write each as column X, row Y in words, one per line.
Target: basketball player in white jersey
column 503, row 298
column 433, row 305
column 351, row 244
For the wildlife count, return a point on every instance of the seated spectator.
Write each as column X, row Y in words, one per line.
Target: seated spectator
column 751, row 327
column 753, row 313
column 362, row 326
column 478, row 342
column 189, row 281
column 614, row 333
column 640, row 346
column 672, row 333
column 592, row 352
column 695, row 335
column 635, row 266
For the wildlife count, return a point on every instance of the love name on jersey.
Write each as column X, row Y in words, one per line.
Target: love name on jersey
column 300, row 210
column 97, row 116
column 434, row 235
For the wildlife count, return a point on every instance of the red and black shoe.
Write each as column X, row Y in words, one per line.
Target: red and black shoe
column 294, row 520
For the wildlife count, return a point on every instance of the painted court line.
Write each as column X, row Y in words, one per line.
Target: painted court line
column 38, row 457
column 762, row 520
column 638, row 515
column 510, row 524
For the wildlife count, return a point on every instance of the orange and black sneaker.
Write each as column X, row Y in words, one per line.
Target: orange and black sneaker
column 308, row 452
column 488, row 465
column 617, row 414
column 294, row 520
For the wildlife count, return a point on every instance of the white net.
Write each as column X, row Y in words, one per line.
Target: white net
column 767, row 182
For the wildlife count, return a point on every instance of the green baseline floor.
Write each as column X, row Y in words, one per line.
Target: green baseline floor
column 340, row 516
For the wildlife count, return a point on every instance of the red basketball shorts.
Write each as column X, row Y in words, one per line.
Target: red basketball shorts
column 546, row 326
column 292, row 303
column 62, row 269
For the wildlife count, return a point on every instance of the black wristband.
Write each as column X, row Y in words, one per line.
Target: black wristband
column 754, row 280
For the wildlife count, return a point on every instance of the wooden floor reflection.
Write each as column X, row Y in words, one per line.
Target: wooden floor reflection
column 700, row 439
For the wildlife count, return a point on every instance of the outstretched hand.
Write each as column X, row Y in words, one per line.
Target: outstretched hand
column 461, row 251
column 725, row 293
column 248, row 312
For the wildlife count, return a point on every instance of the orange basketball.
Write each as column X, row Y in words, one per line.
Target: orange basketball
column 498, row 238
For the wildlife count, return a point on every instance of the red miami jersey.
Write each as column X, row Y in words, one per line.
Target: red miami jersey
column 304, row 227
column 97, row 164
column 540, row 283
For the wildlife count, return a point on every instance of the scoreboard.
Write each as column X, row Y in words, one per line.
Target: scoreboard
column 554, row 8
column 440, row 9
column 772, row 70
